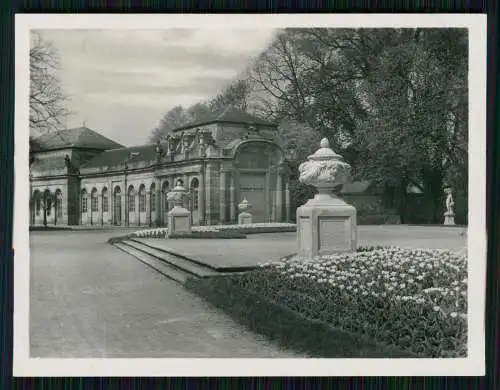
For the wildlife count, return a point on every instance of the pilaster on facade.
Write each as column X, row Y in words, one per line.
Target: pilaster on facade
column 148, row 208
column 99, row 210
column 158, row 202
column 279, row 193
column 288, row 206
column 208, row 192
column 223, row 193
column 201, row 195
column 232, row 197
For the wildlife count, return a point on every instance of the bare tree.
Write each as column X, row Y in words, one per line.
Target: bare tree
column 47, row 99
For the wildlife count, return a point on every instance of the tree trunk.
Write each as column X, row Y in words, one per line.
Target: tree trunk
column 402, row 201
column 433, row 185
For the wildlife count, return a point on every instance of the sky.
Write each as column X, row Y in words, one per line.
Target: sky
column 121, row 82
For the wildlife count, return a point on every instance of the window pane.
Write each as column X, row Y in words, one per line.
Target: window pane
column 131, row 203
column 105, row 203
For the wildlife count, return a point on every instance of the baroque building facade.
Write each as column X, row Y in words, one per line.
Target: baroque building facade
column 79, row 177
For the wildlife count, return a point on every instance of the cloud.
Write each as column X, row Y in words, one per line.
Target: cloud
column 139, row 75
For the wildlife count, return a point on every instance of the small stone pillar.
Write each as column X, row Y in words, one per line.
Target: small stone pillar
column 325, row 224
column 179, row 218
column 244, row 217
column 449, row 215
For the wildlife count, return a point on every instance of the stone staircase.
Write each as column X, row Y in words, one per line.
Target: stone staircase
column 175, row 267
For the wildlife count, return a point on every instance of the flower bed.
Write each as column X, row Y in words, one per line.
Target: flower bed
column 412, row 298
column 251, row 228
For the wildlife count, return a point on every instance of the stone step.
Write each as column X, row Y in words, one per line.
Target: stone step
column 181, row 263
column 158, row 265
column 169, row 252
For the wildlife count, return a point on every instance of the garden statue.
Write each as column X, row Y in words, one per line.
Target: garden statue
column 449, row 215
column 325, row 224
column 179, row 218
column 244, row 217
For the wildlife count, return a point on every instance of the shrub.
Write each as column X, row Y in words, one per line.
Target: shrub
column 412, row 298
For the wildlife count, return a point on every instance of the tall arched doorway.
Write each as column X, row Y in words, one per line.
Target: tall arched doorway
column 37, row 207
column 117, row 206
column 105, row 206
column 94, row 207
column 59, row 207
column 164, row 191
column 142, row 205
column 131, row 194
column 152, row 203
column 193, row 201
column 47, row 207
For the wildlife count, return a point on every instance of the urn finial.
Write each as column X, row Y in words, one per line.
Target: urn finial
column 324, row 169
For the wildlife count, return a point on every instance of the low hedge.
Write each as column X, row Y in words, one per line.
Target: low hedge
column 48, row 228
column 209, row 234
column 284, row 326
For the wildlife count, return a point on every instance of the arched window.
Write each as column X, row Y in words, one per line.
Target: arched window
column 105, row 200
column 142, row 199
column 153, row 198
column 195, row 184
column 47, row 199
column 94, row 205
column 83, row 200
column 38, row 202
column 131, row 199
column 59, row 204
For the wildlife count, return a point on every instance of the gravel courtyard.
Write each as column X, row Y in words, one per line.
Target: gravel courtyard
column 89, row 299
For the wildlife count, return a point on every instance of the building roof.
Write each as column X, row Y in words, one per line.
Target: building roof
column 80, row 137
column 115, row 157
column 228, row 115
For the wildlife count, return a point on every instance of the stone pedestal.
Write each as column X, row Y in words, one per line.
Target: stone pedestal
column 449, row 218
column 179, row 218
column 244, row 217
column 325, row 224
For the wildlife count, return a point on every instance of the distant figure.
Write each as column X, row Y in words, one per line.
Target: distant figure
column 180, row 183
column 449, row 201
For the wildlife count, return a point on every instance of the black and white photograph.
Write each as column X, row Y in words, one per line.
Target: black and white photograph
column 250, row 195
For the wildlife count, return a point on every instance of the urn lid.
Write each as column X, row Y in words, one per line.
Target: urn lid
column 179, row 188
column 324, row 152
column 244, row 202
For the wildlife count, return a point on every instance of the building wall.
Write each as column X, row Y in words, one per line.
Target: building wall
column 218, row 178
column 53, row 186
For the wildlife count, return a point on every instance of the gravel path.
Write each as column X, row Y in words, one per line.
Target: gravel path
column 89, row 299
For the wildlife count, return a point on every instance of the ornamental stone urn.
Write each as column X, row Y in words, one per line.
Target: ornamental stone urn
column 325, row 224
column 244, row 217
column 179, row 218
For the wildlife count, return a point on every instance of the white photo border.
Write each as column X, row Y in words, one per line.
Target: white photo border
column 473, row 365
